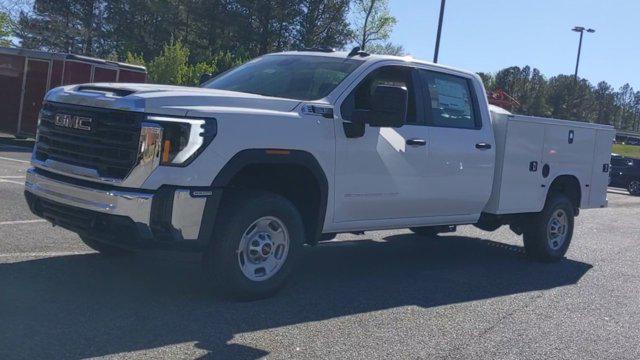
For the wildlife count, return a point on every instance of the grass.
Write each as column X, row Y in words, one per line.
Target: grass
column 627, row 150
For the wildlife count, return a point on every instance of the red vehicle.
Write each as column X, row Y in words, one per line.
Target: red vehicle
column 26, row 76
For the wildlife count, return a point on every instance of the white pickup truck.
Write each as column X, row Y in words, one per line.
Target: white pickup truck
column 292, row 148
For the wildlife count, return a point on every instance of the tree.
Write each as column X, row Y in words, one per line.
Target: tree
column 571, row 100
column 386, row 49
column 170, row 67
column 134, row 59
column 191, row 75
column 143, row 27
column 226, row 60
column 373, row 22
column 5, row 29
column 64, row 25
column 625, row 98
column 323, row 23
column 267, row 25
column 488, row 81
column 605, row 103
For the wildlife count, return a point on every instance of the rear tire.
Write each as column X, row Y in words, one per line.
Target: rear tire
column 548, row 234
column 104, row 248
column 256, row 242
column 634, row 187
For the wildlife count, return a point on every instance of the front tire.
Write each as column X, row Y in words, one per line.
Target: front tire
column 634, row 187
column 548, row 234
column 256, row 242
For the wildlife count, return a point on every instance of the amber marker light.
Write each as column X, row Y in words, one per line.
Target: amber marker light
column 166, row 148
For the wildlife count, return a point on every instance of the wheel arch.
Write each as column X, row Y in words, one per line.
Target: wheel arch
column 290, row 169
column 568, row 185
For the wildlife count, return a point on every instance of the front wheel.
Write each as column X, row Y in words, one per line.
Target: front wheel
column 548, row 234
column 634, row 187
column 257, row 239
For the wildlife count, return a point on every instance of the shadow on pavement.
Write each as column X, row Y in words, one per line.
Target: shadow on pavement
column 87, row 305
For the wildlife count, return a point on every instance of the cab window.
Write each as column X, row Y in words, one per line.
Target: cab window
column 360, row 97
column 449, row 101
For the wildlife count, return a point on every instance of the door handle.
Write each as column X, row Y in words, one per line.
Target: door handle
column 416, row 142
column 483, row 146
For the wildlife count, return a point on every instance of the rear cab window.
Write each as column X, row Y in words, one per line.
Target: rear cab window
column 449, row 100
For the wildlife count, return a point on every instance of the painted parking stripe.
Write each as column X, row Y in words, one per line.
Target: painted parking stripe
column 45, row 254
column 12, row 181
column 13, row 177
column 17, row 222
column 17, row 160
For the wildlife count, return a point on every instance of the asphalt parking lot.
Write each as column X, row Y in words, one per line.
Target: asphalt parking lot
column 387, row 294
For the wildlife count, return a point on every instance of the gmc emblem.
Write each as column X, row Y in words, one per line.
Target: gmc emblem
column 74, row 122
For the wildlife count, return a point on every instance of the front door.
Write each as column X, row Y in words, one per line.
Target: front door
column 35, row 87
column 380, row 175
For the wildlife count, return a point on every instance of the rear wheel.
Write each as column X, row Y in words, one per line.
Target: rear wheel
column 257, row 240
column 634, row 187
column 548, row 234
column 103, row 248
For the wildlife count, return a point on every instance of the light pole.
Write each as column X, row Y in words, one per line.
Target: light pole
column 435, row 54
column 581, row 30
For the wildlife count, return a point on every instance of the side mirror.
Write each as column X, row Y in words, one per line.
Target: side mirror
column 388, row 107
column 205, row 77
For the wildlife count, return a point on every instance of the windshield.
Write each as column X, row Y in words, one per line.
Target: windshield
column 299, row 77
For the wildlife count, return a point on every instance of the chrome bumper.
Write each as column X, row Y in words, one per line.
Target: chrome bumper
column 186, row 210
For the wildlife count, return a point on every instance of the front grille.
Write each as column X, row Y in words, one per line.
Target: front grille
column 110, row 147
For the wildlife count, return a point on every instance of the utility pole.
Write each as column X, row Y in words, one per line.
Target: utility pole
column 435, row 54
column 581, row 30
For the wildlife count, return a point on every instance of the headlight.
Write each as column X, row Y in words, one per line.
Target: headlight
column 183, row 138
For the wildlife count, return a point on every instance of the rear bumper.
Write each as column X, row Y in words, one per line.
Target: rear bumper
column 167, row 217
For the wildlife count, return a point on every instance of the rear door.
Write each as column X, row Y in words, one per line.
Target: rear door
column 35, row 87
column 461, row 144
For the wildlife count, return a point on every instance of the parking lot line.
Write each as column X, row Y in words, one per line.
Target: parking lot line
column 13, row 177
column 17, row 160
column 11, row 181
column 16, row 222
column 45, row 254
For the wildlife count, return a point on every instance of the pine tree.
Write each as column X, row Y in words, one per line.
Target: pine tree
column 74, row 26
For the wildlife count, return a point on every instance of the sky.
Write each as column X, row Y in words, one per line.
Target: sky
column 488, row 35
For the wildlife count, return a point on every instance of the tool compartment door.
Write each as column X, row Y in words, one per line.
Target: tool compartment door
column 520, row 189
column 568, row 150
column 601, row 169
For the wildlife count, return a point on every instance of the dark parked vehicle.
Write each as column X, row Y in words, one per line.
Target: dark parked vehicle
column 625, row 173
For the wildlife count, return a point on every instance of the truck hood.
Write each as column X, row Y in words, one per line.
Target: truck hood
column 162, row 99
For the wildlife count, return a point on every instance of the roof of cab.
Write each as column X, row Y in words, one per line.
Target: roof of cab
column 372, row 58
